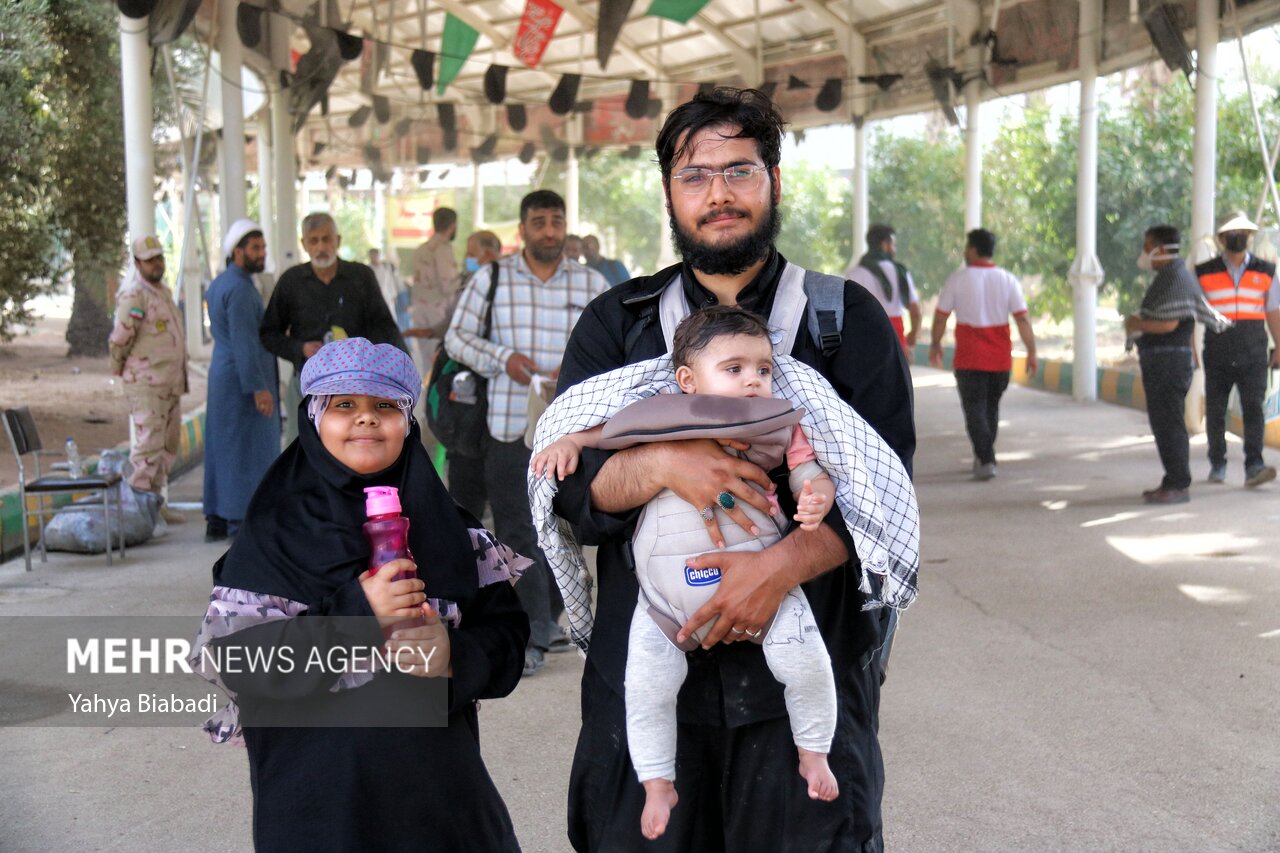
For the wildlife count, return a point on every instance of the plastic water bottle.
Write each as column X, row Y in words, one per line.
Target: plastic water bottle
column 464, row 388
column 73, row 459
column 387, row 532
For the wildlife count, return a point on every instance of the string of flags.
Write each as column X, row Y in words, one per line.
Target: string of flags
column 437, row 70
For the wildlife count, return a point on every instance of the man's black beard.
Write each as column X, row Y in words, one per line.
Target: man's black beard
column 252, row 267
column 732, row 259
column 546, row 255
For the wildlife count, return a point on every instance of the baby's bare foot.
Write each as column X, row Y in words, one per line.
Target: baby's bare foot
column 659, row 799
column 816, row 771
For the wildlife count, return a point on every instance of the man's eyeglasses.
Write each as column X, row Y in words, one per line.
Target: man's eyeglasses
column 696, row 181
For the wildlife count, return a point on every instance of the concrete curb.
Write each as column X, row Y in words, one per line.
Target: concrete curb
column 190, row 454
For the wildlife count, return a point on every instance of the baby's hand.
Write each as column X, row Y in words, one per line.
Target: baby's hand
column 560, row 458
column 391, row 600
column 811, row 507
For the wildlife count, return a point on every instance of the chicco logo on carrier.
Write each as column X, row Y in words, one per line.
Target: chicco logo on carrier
column 701, row 577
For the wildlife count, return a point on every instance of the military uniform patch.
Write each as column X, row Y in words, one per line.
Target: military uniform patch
column 160, row 325
column 137, row 313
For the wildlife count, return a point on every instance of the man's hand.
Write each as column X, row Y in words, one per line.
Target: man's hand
column 264, row 403
column 699, row 471
column 310, row 348
column 1275, row 357
column 1132, row 323
column 521, row 368
column 935, row 355
column 747, row 597
column 1032, row 364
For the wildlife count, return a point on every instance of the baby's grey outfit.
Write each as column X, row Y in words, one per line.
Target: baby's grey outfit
column 668, row 532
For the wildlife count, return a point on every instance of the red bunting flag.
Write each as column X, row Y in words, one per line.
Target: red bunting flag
column 537, row 25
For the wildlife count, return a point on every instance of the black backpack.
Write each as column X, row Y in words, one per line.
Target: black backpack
column 461, row 425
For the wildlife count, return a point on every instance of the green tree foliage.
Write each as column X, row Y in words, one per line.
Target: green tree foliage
column 916, row 184
column 88, row 161
column 1145, row 139
column 817, row 218
column 26, row 199
column 60, row 129
column 620, row 200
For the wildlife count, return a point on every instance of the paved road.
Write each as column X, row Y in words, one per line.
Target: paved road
column 1080, row 671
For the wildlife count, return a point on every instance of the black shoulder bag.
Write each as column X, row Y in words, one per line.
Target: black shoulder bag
column 458, row 397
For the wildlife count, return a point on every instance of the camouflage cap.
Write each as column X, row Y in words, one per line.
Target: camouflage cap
column 146, row 248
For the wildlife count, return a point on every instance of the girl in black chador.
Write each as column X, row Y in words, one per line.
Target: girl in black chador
column 344, row 755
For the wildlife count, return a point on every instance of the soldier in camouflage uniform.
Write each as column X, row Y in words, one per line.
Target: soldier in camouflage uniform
column 148, row 352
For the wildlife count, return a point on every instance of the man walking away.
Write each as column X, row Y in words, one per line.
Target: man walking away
column 889, row 282
column 983, row 297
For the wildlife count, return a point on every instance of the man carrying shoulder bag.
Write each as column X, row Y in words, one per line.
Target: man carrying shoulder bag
column 537, row 301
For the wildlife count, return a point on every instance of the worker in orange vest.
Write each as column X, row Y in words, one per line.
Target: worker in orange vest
column 1242, row 287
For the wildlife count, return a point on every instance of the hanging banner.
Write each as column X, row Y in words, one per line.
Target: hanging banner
column 456, row 45
column 679, row 11
column 537, row 25
column 613, row 14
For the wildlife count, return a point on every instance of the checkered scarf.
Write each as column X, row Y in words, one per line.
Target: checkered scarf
column 1175, row 294
column 873, row 490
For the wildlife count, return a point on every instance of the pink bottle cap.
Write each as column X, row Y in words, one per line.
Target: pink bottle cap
column 381, row 500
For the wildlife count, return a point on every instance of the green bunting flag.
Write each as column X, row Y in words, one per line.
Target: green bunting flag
column 455, row 46
column 679, row 11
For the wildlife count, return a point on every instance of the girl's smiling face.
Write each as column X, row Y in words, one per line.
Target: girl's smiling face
column 364, row 433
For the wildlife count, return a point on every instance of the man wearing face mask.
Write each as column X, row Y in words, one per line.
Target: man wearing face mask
column 1243, row 289
column 321, row 301
column 483, row 248
column 1163, row 328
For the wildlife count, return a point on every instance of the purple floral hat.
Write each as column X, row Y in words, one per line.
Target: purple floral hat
column 355, row 366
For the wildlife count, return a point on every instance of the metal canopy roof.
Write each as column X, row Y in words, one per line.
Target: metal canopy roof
column 795, row 45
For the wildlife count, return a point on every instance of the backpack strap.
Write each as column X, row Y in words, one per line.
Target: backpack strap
column 488, row 300
column 825, row 311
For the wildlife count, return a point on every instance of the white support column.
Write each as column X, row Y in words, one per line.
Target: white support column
column 858, row 65
column 1199, row 243
column 1086, row 271
column 573, row 133
column 859, row 189
column 1205, row 151
column 477, row 201
column 972, row 155
column 266, row 182
column 139, row 162
column 285, row 164
column 231, row 152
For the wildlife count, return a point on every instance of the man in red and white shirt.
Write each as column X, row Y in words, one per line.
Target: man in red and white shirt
column 983, row 297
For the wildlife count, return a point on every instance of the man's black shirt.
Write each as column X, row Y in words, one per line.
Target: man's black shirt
column 730, row 684
column 303, row 308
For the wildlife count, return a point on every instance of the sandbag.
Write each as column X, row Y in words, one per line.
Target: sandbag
column 80, row 528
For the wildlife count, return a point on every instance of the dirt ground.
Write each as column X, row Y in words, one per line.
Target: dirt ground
column 75, row 397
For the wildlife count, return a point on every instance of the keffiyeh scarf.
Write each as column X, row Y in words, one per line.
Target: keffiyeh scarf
column 873, row 491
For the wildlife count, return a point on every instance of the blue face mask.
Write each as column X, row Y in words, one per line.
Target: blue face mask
column 471, row 264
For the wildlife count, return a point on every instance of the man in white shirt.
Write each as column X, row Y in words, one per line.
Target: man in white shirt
column 889, row 282
column 983, row 297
